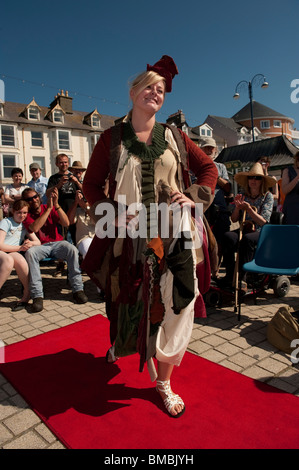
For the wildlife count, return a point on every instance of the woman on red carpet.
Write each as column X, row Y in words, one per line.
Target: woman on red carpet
column 149, row 277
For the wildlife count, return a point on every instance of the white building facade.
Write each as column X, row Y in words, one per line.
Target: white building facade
column 32, row 133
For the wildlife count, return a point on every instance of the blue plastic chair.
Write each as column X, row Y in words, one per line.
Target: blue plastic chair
column 277, row 251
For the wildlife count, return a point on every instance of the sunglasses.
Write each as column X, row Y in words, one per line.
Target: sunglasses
column 30, row 199
column 258, row 178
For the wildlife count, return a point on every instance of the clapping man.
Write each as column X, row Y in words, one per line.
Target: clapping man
column 43, row 220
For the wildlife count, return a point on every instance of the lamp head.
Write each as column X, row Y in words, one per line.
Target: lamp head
column 265, row 84
column 236, row 96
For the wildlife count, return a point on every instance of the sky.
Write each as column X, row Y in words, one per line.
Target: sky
column 93, row 48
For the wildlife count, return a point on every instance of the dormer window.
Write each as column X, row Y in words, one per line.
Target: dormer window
column 57, row 116
column 33, row 113
column 95, row 120
column 1, row 109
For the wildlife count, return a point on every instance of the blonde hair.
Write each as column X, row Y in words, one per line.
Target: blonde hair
column 145, row 79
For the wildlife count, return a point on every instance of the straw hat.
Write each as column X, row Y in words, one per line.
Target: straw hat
column 77, row 166
column 256, row 170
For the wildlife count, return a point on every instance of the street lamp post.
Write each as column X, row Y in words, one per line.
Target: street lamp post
column 256, row 80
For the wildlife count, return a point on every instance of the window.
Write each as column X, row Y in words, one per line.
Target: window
column 95, row 120
column 265, row 124
column 8, row 136
column 8, row 163
column 202, row 132
column 33, row 112
column 94, row 139
column 209, row 133
column 57, row 116
column 41, row 162
column 37, row 139
column 277, row 123
column 63, row 140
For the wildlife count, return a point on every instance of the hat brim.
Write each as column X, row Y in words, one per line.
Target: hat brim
column 242, row 178
column 77, row 168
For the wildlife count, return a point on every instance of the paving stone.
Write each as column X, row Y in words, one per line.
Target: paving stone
column 29, row 440
column 227, row 349
column 213, row 355
column 21, row 421
column 230, row 365
column 5, row 434
column 272, row 365
column 242, row 360
column 7, row 409
column 45, row 432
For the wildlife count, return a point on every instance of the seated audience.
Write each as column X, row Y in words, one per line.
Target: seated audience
column 79, row 214
column 12, row 245
column 43, row 220
column 257, row 201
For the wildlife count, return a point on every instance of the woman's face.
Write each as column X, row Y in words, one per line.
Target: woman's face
column 150, row 99
column 17, row 178
column 255, row 183
column 20, row 215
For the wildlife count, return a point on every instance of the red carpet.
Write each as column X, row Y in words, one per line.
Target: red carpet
column 89, row 404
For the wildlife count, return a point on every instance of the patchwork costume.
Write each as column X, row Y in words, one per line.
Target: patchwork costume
column 153, row 283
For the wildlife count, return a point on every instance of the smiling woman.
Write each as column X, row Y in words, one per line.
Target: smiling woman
column 13, row 192
column 149, row 303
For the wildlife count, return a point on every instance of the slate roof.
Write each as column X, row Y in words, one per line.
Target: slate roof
column 226, row 122
column 280, row 149
column 259, row 111
column 13, row 112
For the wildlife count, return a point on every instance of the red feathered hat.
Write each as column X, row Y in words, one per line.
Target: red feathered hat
column 166, row 68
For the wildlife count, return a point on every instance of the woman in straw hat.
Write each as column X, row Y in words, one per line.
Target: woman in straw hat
column 148, row 310
column 257, row 202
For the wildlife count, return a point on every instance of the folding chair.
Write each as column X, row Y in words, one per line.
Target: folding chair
column 277, row 252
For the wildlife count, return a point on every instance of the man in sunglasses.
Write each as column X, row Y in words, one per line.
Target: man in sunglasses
column 43, row 219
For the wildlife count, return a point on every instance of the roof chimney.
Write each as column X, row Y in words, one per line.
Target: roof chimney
column 64, row 100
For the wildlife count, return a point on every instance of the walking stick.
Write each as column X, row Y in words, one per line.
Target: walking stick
column 237, row 282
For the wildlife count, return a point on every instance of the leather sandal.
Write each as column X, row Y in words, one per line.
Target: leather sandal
column 171, row 398
column 110, row 356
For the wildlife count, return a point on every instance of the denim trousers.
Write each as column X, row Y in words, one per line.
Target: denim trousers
column 59, row 250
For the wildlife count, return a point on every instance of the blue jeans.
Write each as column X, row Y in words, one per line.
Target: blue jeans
column 60, row 250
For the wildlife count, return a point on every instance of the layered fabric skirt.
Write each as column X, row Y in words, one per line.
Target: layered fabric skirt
column 152, row 292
